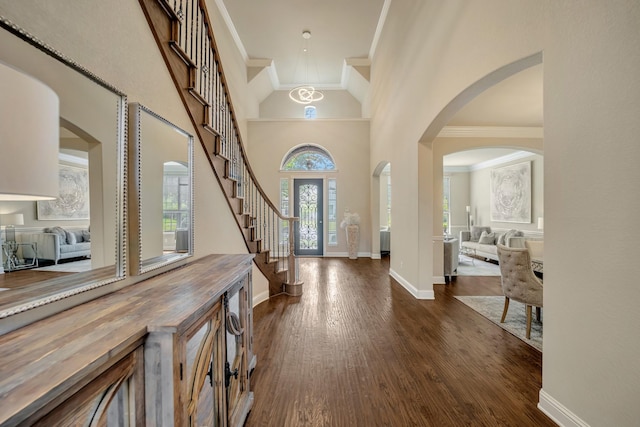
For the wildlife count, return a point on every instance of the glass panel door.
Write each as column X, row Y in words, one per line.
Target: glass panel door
column 308, row 207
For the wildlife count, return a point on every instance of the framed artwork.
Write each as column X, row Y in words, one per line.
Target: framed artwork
column 73, row 200
column 511, row 193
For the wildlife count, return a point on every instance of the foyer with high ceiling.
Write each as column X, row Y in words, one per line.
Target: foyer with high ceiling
column 218, row 141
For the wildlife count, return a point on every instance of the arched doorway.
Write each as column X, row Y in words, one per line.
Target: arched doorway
column 306, row 200
column 486, row 114
column 381, row 196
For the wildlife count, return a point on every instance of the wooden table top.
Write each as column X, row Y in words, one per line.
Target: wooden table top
column 56, row 356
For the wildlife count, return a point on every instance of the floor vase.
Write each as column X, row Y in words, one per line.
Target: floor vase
column 353, row 240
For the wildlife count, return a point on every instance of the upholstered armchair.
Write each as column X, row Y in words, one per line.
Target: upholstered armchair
column 518, row 281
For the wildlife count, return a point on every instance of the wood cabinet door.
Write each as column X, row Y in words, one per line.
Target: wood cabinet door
column 204, row 397
column 236, row 365
column 113, row 399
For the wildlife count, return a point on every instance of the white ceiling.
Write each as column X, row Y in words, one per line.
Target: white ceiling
column 342, row 30
column 273, row 30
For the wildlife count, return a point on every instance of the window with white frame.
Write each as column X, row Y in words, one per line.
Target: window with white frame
column 308, row 158
column 446, row 204
column 389, row 200
column 175, row 197
column 284, row 210
column 332, row 212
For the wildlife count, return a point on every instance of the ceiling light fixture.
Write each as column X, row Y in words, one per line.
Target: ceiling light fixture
column 306, row 93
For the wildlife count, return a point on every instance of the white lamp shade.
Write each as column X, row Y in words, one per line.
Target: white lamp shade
column 29, row 137
column 12, row 219
column 540, row 223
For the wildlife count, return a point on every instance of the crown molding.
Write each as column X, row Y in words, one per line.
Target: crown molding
column 501, row 160
column 232, row 29
column 456, row 169
column 296, row 119
column 379, row 27
column 491, row 132
column 73, row 159
column 273, row 74
column 489, row 163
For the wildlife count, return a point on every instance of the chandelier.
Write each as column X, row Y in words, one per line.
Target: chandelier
column 306, row 93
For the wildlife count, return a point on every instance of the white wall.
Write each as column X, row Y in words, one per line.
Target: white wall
column 479, row 200
column 78, row 98
column 235, row 70
column 337, row 104
column 591, row 109
column 472, row 189
column 432, row 51
column 90, row 39
column 348, row 143
column 29, row 209
column 428, row 53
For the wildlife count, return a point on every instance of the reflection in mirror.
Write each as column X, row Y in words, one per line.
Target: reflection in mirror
column 87, row 250
column 160, row 186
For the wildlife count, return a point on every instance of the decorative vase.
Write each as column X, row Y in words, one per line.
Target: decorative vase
column 353, row 240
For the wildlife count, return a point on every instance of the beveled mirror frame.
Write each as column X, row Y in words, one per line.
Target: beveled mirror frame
column 79, row 286
column 138, row 264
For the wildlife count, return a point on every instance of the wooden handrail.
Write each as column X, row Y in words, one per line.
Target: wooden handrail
column 191, row 38
column 221, row 128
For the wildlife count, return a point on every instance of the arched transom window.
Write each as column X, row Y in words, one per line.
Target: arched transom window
column 308, row 158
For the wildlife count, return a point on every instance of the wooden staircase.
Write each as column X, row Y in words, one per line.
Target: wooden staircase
column 185, row 38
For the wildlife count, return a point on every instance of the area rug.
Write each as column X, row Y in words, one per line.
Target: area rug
column 68, row 267
column 474, row 267
column 516, row 322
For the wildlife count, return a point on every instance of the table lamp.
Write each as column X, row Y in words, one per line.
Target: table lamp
column 10, row 221
column 29, row 131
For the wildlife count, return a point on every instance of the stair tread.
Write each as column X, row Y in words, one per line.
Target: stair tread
column 214, row 134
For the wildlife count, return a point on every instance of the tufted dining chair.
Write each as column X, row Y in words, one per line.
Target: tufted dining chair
column 519, row 282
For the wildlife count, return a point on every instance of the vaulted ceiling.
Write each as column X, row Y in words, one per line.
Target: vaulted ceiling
column 344, row 35
column 340, row 30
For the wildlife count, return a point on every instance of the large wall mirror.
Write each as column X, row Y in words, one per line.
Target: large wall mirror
column 160, row 190
column 79, row 243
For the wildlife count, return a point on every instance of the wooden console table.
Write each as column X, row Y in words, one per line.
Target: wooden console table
column 160, row 352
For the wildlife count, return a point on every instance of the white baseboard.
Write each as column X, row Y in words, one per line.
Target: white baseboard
column 418, row 294
column 558, row 412
column 439, row 280
column 261, row 297
column 346, row 255
column 376, row 256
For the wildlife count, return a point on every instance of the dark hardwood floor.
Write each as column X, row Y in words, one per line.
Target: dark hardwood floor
column 356, row 349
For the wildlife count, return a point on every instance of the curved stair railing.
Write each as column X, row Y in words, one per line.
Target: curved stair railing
column 185, row 38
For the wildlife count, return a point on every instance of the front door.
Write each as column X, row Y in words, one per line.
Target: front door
column 307, row 205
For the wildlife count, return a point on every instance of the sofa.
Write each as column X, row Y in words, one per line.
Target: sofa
column 481, row 241
column 56, row 243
